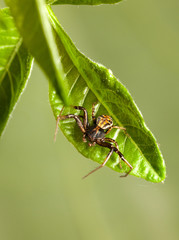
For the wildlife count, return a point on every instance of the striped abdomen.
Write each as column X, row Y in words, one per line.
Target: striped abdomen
column 104, row 122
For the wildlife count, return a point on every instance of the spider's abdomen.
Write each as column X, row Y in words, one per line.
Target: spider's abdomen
column 104, row 121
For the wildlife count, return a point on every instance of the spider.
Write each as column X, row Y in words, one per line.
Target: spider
column 96, row 133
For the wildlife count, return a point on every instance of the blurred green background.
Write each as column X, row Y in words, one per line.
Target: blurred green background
column 42, row 195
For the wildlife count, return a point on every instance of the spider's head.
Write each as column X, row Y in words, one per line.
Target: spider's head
column 104, row 121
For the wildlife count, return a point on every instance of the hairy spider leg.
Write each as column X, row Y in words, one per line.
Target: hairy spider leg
column 113, row 141
column 121, row 128
column 77, row 118
column 85, row 118
column 109, row 145
column 102, row 165
column 78, row 121
column 102, row 143
column 63, row 117
column 128, row 164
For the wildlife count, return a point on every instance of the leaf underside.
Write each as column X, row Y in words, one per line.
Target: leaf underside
column 15, row 66
column 90, row 82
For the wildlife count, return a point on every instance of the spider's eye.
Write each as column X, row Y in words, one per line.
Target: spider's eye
column 104, row 121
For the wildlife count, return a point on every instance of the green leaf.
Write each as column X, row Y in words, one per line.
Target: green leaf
column 82, row 2
column 15, row 66
column 89, row 83
column 32, row 22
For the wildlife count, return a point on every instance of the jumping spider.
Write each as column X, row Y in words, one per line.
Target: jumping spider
column 95, row 134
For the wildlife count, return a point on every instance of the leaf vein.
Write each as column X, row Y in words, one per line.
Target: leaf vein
column 16, row 48
column 73, row 85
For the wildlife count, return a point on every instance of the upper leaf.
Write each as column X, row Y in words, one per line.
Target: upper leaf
column 15, row 65
column 91, row 82
column 82, row 2
column 32, row 22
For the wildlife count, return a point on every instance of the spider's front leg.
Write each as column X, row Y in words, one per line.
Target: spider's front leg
column 76, row 117
column 85, row 118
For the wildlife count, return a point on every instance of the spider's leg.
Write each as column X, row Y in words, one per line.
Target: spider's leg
column 110, row 146
column 63, row 117
column 84, row 138
column 85, row 118
column 77, row 118
column 93, row 113
column 121, row 128
column 112, row 141
column 128, row 164
column 115, row 143
column 102, row 165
